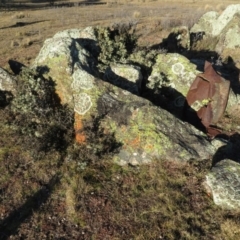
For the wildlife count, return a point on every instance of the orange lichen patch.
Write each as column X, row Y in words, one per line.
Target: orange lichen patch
column 78, row 126
column 149, row 146
column 135, row 142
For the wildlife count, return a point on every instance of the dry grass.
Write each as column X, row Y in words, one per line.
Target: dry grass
column 49, row 21
column 75, row 195
column 100, row 200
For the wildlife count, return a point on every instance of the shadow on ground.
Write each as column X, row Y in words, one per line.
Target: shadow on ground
column 23, row 24
column 10, row 225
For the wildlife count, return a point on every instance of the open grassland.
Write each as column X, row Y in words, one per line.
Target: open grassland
column 22, row 32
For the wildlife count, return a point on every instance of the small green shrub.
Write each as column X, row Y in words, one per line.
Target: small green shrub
column 116, row 44
column 38, row 114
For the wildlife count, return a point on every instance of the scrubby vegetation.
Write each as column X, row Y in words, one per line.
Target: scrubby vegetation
column 53, row 188
column 116, row 43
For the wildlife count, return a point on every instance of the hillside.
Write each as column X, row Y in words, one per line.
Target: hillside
column 95, row 142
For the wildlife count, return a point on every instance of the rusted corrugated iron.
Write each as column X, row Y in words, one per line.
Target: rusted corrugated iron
column 208, row 96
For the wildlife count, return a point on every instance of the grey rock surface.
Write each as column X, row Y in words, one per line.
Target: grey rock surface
column 7, row 82
column 211, row 23
column 125, row 76
column 224, row 182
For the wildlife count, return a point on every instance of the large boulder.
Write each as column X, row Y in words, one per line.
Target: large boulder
column 141, row 130
column 223, row 183
column 64, row 57
column 229, row 41
column 173, row 75
column 206, row 23
column 219, row 33
column 211, row 23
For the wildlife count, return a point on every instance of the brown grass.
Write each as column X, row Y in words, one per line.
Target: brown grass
column 47, row 22
column 74, row 194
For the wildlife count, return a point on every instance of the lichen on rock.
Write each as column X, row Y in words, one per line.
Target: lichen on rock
column 7, row 82
column 172, row 70
column 144, row 131
column 128, row 77
column 82, row 103
column 82, row 80
column 224, row 182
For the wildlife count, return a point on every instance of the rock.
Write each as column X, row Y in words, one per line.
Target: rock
column 86, row 38
column 229, row 41
column 211, row 23
column 172, row 70
column 144, row 131
column 226, row 16
column 7, row 82
column 174, row 74
column 224, row 183
column 219, row 33
column 64, row 57
column 141, row 131
column 205, row 24
column 233, row 106
column 86, row 33
column 128, row 77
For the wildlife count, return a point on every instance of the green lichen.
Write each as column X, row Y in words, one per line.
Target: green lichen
column 172, row 70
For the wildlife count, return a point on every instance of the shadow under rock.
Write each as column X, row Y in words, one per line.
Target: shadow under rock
column 228, row 151
column 10, row 225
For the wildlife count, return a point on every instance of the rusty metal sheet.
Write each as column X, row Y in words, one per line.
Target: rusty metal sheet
column 208, row 96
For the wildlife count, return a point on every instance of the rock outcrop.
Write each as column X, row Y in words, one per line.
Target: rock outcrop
column 144, row 131
column 109, row 94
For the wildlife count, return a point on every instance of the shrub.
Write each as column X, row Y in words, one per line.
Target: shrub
column 116, row 43
column 38, row 114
